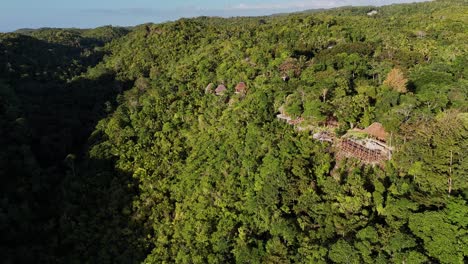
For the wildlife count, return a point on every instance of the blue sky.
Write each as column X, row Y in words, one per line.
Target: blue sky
column 16, row 14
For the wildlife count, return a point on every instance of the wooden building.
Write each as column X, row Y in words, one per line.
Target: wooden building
column 241, row 88
column 355, row 150
column 377, row 131
column 220, row 90
column 209, row 89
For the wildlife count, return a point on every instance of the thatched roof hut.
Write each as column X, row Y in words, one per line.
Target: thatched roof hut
column 241, row 88
column 220, row 90
column 377, row 131
column 209, row 88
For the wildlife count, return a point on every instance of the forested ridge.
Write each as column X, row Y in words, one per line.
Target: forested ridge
column 121, row 145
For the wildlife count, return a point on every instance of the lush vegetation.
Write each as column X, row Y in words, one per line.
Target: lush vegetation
column 112, row 151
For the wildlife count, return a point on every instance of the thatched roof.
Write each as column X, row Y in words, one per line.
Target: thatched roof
column 209, row 88
column 241, row 87
column 220, row 89
column 376, row 130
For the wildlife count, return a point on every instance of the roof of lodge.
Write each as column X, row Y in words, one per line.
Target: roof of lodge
column 241, row 87
column 220, row 89
column 376, row 130
column 209, row 88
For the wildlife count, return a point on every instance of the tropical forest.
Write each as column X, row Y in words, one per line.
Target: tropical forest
column 323, row 136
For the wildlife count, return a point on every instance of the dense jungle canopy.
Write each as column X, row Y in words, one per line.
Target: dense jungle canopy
column 115, row 149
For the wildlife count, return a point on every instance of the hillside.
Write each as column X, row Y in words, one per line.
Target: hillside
column 167, row 143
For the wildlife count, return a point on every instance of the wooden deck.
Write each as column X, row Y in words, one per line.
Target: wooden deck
column 353, row 149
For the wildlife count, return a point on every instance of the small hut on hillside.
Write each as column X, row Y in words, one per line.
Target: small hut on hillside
column 377, row 131
column 209, row 89
column 241, row 88
column 220, row 90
